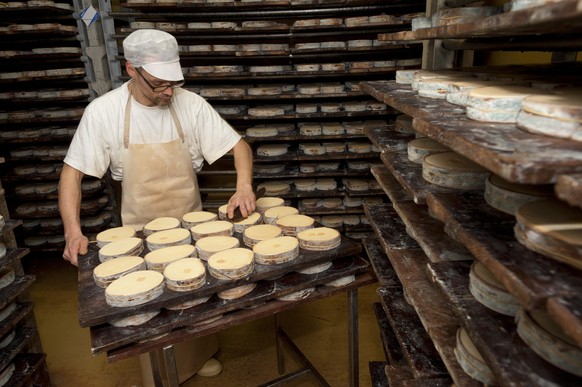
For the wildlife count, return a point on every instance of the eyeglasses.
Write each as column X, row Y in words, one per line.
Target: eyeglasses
column 159, row 89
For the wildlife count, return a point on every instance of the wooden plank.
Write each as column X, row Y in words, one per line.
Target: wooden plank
column 569, row 189
column 532, row 278
column 510, row 359
column 417, row 346
column 389, row 228
column 378, row 373
column 106, row 337
column 384, row 272
column 93, row 309
column 409, row 175
column 389, row 184
column 388, row 140
column 392, row 349
column 430, row 235
column 504, row 149
column 556, row 18
column 235, row 318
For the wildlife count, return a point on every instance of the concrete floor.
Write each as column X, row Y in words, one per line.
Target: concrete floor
column 247, row 351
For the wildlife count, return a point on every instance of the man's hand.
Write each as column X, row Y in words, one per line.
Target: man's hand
column 244, row 199
column 75, row 246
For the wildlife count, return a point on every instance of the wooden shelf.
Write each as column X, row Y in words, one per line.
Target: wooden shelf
column 489, row 235
column 504, row 149
column 555, row 18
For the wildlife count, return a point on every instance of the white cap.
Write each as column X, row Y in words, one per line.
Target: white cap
column 156, row 51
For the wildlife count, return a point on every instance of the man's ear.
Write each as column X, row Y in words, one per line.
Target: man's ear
column 130, row 69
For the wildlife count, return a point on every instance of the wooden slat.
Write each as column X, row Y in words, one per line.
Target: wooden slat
column 382, row 267
column 510, row 359
column 378, row 373
column 569, row 189
column 430, row 235
column 388, row 140
column 389, row 184
column 389, row 341
column 504, row 149
column 559, row 17
column 389, row 228
column 531, row 277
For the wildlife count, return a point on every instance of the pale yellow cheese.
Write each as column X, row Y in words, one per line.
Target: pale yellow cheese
column 160, row 258
column 113, row 234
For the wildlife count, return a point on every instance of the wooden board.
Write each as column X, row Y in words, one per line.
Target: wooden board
column 388, row 140
column 532, row 278
column 234, row 318
column 93, row 309
column 389, row 228
column 430, row 235
column 494, row 334
column 390, row 343
column 515, row 155
column 569, row 189
column 105, row 337
column 392, row 188
column 382, row 267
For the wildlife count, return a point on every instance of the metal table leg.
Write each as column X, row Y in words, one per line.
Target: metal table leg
column 353, row 338
column 171, row 369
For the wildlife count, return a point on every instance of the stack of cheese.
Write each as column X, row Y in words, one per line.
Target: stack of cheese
column 167, row 238
column 232, row 264
column 121, row 247
column 271, row 215
column 109, row 271
column 213, row 228
column 291, row 225
column 207, row 246
column 450, row 169
column 276, row 250
column 319, row 239
column 261, row 232
column 558, row 115
column 157, row 260
column 185, row 274
column 552, row 228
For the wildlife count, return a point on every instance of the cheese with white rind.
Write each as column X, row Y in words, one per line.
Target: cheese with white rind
column 275, row 187
column 185, row 274
column 160, row 224
column 315, row 269
column 113, row 234
column 508, row 197
column 135, row 288
column 319, row 239
column 276, row 250
column 121, row 247
column 109, row 271
column 158, row 259
column 167, row 238
column 212, row 244
column 7, row 276
column 271, row 150
column 298, row 295
column 343, row 281
column 549, row 126
column 231, row 264
column 291, row 225
column 191, row 219
column 135, row 320
column 214, row 228
column 7, row 339
column 272, row 214
column 6, row 374
column 261, row 232
column 471, row 360
column 450, row 169
column 419, row 148
column 249, row 221
column 499, row 116
column 504, row 98
column 188, row 304
column 237, row 292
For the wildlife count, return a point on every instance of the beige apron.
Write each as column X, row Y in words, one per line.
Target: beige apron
column 158, row 180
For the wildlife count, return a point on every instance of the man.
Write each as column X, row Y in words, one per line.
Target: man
column 153, row 136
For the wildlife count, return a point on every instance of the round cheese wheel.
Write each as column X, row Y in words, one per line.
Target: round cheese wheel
column 214, row 228
column 316, row 268
column 7, row 276
column 212, row 244
column 121, row 247
column 109, row 271
column 293, row 224
column 419, row 148
column 167, row 238
column 319, row 239
column 6, row 374
column 471, row 360
column 158, row 259
column 251, row 220
column 185, row 274
column 7, row 339
column 237, row 292
column 135, row 288
column 296, row 296
column 508, row 197
column 276, row 250
column 160, row 224
column 450, row 169
column 490, row 292
column 113, row 234
column 188, row 304
column 343, row 281
column 275, row 187
column 135, row 320
column 262, row 132
column 506, row 98
column 263, row 204
column 272, row 214
column 231, row 264
column 261, row 232
column 191, row 219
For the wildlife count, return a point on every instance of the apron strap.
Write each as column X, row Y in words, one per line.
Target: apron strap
column 177, row 123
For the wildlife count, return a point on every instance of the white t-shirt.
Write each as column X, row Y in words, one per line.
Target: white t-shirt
column 98, row 142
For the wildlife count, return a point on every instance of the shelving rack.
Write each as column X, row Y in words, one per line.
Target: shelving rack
column 44, row 91
column 285, row 30
column 430, row 235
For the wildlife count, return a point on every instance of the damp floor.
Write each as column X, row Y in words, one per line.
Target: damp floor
column 248, row 354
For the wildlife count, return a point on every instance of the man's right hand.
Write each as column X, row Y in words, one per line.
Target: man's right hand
column 75, row 246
